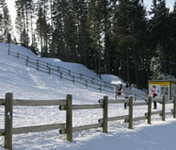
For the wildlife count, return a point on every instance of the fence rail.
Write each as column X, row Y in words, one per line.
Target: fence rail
column 66, row 105
column 82, row 128
column 38, row 128
column 119, row 101
column 115, row 118
column 1, row 101
column 38, row 102
column 1, row 132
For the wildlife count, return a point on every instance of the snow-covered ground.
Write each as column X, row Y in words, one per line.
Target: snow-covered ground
column 27, row 83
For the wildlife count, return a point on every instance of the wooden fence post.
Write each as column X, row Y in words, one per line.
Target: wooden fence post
column 69, row 117
column 92, row 80
column 49, row 70
column 8, row 49
column 86, row 84
column 73, row 79
column 135, row 96
column 130, row 103
column 60, row 75
column 37, row 64
column 163, row 108
column 58, row 69
column 81, row 76
column 149, row 110
column 174, row 107
column 100, row 88
column 18, row 55
column 105, row 114
column 8, row 120
column 27, row 60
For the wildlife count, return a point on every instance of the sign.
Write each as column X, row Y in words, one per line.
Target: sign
column 161, row 83
column 154, row 90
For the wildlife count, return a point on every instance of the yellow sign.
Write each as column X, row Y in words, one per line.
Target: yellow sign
column 161, row 83
column 173, row 82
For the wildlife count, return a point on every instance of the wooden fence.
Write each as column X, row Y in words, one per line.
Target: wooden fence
column 8, row 130
column 63, row 73
column 66, row 104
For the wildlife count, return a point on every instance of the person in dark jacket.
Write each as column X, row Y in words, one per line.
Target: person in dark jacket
column 154, row 94
column 118, row 90
column 127, row 90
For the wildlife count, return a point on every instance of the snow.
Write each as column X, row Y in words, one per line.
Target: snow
column 112, row 79
column 28, row 83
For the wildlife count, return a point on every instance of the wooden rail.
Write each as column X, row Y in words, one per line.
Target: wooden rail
column 85, row 106
column 94, row 106
column 38, row 128
column 156, row 112
column 1, row 101
column 87, row 127
column 140, row 118
column 169, row 113
column 82, row 128
column 140, row 104
column 114, row 118
column 38, row 102
column 111, row 101
column 1, row 132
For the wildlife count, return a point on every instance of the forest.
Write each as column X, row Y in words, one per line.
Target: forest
column 119, row 37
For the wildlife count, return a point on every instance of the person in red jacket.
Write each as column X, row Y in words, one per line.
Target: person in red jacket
column 154, row 94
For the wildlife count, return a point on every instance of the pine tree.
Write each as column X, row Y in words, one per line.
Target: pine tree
column 22, row 21
column 160, row 35
column 171, row 48
column 122, row 33
column 130, row 29
column 5, row 23
column 83, row 39
column 95, row 31
column 106, row 11
column 57, row 43
column 43, row 29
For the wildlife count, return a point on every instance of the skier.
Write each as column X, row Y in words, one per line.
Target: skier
column 154, row 94
column 117, row 90
column 127, row 90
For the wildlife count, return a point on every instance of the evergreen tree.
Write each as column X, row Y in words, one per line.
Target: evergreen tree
column 130, row 28
column 83, row 38
column 171, row 48
column 5, row 23
column 95, row 31
column 22, row 21
column 43, row 29
column 160, row 34
column 57, row 43
column 106, row 10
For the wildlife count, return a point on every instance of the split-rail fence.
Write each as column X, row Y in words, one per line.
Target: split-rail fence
column 63, row 73
column 66, row 105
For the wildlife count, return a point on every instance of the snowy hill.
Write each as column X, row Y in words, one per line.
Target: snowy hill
column 14, row 71
column 28, row 83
